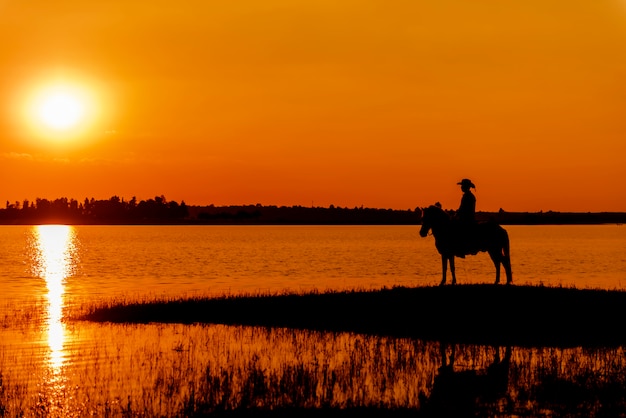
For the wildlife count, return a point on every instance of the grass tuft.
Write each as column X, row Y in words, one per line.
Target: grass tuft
column 477, row 314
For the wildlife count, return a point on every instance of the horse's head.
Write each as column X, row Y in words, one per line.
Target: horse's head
column 432, row 217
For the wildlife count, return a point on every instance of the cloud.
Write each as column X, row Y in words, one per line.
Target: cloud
column 128, row 158
column 23, row 156
column 17, row 156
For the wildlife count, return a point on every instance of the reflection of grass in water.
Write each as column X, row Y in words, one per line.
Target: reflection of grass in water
column 29, row 315
column 313, row 370
column 176, row 370
column 187, row 370
column 578, row 382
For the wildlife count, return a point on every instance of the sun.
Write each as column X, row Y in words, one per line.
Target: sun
column 60, row 112
column 60, row 108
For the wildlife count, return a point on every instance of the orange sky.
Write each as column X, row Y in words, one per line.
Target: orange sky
column 376, row 103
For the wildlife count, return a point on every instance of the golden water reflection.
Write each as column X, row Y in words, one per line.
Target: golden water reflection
column 54, row 262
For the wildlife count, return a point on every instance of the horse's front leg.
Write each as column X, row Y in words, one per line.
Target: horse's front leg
column 444, row 269
column 497, row 272
column 452, row 271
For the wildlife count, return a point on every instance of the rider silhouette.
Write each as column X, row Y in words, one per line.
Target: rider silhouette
column 467, row 211
column 466, row 219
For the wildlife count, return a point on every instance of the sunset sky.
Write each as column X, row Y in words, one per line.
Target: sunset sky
column 378, row 103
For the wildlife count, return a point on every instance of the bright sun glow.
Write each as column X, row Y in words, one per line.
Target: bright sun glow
column 60, row 110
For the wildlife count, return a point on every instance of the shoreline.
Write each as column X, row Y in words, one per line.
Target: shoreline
column 483, row 314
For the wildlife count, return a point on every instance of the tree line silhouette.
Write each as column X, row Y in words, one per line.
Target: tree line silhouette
column 159, row 210
column 91, row 211
column 303, row 215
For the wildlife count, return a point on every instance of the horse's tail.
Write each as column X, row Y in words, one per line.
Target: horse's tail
column 506, row 257
column 506, row 247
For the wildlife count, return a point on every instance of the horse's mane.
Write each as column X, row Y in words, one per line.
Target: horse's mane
column 436, row 211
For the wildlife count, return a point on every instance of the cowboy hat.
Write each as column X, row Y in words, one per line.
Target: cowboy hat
column 466, row 182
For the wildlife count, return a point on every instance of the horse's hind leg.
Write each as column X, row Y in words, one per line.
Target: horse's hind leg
column 496, row 258
column 452, row 270
column 506, row 261
column 497, row 263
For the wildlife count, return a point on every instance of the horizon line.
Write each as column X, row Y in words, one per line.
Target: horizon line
column 17, row 204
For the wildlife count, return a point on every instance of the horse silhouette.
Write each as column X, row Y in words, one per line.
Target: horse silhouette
column 455, row 240
column 460, row 393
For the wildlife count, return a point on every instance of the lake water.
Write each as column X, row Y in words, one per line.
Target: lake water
column 50, row 366
column 110, row 261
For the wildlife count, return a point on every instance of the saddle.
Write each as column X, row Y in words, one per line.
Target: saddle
column 467, row 238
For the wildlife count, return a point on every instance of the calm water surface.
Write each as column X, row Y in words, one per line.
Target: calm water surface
column 107, row 261
column 50, row 366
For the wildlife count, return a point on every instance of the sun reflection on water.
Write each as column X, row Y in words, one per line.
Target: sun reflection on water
column 54, row 262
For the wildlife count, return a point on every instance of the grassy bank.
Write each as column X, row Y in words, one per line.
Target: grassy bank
column 479, row 314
